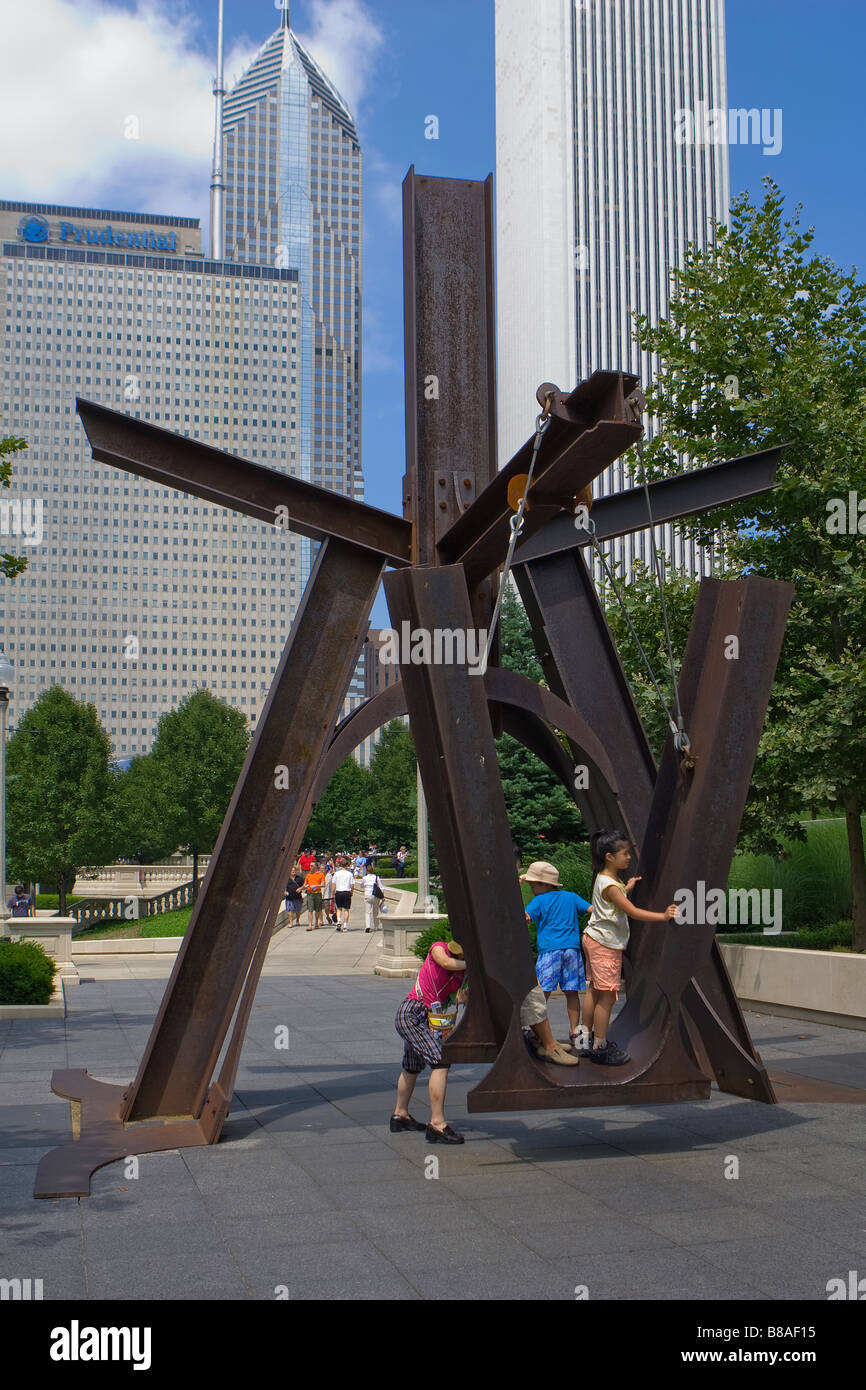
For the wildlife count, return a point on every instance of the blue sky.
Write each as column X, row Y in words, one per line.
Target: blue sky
column 398, row 61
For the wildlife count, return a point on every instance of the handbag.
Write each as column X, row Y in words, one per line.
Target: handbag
column 377, row 891
column 442, row 1021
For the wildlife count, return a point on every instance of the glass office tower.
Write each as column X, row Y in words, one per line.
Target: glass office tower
column 292, row 173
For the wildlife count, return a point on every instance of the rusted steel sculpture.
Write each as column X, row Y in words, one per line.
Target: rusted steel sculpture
column 682, row 1024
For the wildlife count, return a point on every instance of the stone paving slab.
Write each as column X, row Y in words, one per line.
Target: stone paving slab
column 309, row 1190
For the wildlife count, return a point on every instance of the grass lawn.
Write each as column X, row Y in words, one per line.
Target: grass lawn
column 165, row 924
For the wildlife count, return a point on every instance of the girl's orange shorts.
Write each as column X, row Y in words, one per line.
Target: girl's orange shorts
column 603, row 965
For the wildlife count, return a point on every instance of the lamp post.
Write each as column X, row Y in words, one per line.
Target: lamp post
column 6, row 674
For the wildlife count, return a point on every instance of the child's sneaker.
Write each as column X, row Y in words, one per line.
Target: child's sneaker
column 609, row 1055
column 583, row 1041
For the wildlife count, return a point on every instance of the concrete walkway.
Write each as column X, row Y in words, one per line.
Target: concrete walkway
column 308, row 1192
column 326, row 951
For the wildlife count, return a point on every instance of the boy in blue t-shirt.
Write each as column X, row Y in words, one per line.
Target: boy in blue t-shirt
column 556, row 914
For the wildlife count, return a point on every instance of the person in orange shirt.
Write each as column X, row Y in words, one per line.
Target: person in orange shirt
column 314, row 884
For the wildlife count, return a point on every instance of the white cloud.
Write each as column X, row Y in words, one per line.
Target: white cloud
column 345, row 41
column 72, row 76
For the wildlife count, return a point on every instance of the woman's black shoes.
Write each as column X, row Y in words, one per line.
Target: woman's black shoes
column 444, row 1136
column 399, row 1123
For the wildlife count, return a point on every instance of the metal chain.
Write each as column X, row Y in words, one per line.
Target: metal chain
column 516, row 523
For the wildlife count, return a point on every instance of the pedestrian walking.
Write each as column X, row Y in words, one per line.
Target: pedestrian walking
column 294, row 895
column 314, row 884
column 373, row 895
column 344, row 887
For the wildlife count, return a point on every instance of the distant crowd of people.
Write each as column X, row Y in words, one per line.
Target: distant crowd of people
column 325, row 884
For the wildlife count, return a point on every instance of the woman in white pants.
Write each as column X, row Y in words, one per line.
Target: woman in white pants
column 371, row 904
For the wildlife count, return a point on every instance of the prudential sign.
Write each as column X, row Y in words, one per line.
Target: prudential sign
column 36, row 231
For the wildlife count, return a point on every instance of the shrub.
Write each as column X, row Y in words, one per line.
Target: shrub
column 26, row 973
column 437, row 931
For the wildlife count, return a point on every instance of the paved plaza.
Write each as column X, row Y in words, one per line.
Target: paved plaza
column 308, row 1195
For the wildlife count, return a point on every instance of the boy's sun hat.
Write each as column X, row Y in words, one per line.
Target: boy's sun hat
column 541, row 872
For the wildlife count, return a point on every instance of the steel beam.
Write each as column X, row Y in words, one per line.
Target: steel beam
column 725, row 684
column 671, row 499
column 582, row 666
column 449, row 350
column 691, row 835
column 260, row 833
column 596, row 425
column 581, row 662
column 223, row 948
column 190, row 466
column 457, row 758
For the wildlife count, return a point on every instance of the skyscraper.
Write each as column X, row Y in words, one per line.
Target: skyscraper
column 137, row 594
column 292, row 173
column 596, row 200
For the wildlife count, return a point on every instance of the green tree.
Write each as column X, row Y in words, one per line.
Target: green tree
column 765, row 344
column 60, row 795
column 10, row 565
column 340, row 819
column 198, row 754
column 515, row 635
column 392, row 806
column 538, row 806
column 143, row 813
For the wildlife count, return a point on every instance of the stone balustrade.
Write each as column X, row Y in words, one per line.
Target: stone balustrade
column 118, row 880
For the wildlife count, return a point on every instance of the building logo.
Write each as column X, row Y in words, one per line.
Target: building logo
column 33, row 229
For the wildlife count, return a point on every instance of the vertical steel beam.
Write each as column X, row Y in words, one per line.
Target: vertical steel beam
column 450, row 361
column 457, row 757
column 450, row 349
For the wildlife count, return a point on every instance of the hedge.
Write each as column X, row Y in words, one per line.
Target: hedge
column 26, row 973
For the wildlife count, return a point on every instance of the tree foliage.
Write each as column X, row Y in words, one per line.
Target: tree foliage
column 197, row 756
column 144, row 818
column 392, row 805
column 340, row 819
column 60, row 792
column 765, row 344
